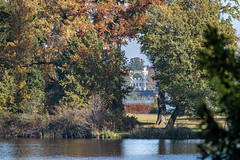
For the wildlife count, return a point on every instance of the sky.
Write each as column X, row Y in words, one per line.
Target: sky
column 133, row 48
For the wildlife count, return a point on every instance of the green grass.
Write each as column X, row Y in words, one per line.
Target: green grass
column 149, row 120
column 184, row 128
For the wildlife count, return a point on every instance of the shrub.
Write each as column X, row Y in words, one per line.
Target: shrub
column 96, row 113
column 139, row 108
column 77, row 121
column 7, row 124
column 105, row 134
column 69, row 123
column 22, row 125
column 179, row 133
column 147, row 133
column 174, row 133
column 121, row 122
column 80, row 121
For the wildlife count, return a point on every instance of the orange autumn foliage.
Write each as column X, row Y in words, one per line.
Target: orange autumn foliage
column 114, row 20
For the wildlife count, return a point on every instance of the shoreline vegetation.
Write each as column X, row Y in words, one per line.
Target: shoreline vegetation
column 70, row 125
column 63, row 72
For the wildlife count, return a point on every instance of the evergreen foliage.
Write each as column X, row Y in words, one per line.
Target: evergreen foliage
column 222, row 69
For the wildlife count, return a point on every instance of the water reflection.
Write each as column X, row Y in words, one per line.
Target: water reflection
column 178, row 147
column 55, row 148
column 135, row 147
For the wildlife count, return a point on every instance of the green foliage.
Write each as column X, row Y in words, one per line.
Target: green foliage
column 135, row 63
column 146, row 133
column 58, row 57
column 153, row 133
column 222, row 67
column 7, row 90
column 98, row 70
column 172, row 40
column 75, row 94
column 5, row 23
column 10, row 90
column 105, row 134
column 36, row 87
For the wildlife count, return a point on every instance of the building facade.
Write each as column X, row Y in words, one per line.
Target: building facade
column 142, row 80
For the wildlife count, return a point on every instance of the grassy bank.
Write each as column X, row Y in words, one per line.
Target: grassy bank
column 184, row 128
column 73, row 124
column 65, row 123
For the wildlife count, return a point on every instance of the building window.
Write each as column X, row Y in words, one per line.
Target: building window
column 136, row 84
column 133, row 84
column 139, row 84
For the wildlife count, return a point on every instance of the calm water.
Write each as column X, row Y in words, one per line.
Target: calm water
column 127, row 149
column 143, row 101
column 137, row 101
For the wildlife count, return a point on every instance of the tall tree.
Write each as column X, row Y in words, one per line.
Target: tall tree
column 38, row 30
column 50, row 36
column 171, row 40
column 222, row 67
column 114, row 21
column 135, row 63
column 97, row 70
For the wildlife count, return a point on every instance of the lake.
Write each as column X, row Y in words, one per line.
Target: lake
column 144, row 101
column 137, row 101
column 86, row 149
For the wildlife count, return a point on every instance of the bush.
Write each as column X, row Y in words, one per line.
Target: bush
column 69, row 123
column 22, row 125
column 78, row 121
column 121, row 122
column 158, row 133
column 179, row 133
column 139, row 108
column 105, row 134
column 147, row 133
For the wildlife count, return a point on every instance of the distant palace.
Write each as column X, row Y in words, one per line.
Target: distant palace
column 142, row 80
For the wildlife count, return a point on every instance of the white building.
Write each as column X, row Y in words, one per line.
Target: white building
column 139, row 79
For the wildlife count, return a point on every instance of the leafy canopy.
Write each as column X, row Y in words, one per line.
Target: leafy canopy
column 222, row 67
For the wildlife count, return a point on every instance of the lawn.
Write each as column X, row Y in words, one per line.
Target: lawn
column 148, row 120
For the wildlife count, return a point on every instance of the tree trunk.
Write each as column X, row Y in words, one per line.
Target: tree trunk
column 173, row 118
column 161, row 119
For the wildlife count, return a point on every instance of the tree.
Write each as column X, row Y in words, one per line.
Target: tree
column 98, row 71
column 36, row 31
column 135, row 63
column 7, row 90
column 171, row 40
column 110, row 22
column 114, row 20
column 222, row 67
column 67, row 43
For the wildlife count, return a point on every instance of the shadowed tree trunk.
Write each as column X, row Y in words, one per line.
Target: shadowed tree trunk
column 161, row 119
column 173, row 118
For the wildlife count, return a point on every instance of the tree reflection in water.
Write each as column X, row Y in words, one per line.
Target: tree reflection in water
column 78, row 148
